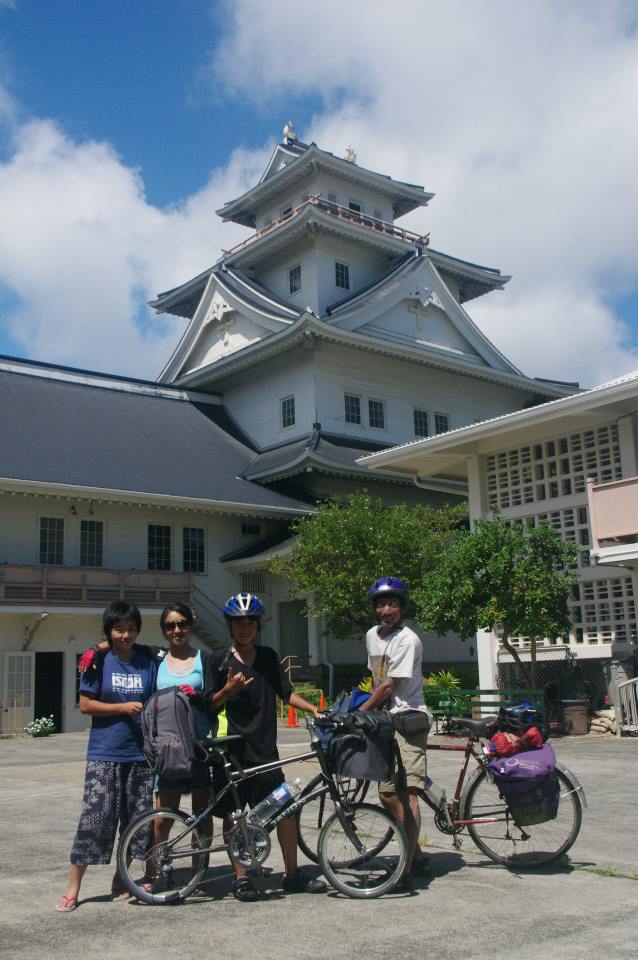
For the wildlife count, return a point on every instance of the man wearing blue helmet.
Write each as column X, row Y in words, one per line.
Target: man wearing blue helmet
column 247, row 680
column 395, row 653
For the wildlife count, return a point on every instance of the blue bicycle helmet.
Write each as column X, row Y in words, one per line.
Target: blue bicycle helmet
column 244, row 605
column 389, row 585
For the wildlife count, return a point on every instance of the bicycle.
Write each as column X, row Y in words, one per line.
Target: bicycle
column 479, row 806
column 361, row 849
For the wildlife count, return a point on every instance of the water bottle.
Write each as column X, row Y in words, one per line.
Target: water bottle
column 273, row 803
column 434, row 793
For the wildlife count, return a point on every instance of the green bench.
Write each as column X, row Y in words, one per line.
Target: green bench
column 477, row 703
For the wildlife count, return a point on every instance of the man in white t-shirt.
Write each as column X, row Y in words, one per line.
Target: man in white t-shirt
column 394, row 658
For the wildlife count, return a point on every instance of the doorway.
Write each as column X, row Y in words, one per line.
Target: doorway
column 49, row 678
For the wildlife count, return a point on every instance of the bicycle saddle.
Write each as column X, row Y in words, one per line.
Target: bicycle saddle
column 478, row 728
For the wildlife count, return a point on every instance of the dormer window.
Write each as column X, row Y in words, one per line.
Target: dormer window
column 342, row 275
column 294, row 279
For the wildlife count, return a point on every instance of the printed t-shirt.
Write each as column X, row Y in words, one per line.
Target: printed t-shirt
column 118, row 738
column 398, row 656
column 252, row 710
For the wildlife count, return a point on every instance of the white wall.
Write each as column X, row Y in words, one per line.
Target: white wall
column 323, row 184
column 402, row 385
column 253, row 398
column 365, row 265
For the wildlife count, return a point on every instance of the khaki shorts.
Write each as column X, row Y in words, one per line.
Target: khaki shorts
column 414, row 757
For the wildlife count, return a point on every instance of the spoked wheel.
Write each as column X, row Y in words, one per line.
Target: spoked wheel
column 314, row 814
column 364, row 856
column 524, row 847
column 158, row 858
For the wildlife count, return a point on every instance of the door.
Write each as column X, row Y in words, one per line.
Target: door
column 49, row 676
column 16, row 705
column 293, row 638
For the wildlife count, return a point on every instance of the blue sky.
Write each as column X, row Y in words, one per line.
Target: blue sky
column 124, row 125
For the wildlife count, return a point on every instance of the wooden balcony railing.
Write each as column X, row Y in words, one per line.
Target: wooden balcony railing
column 91, row 587
column 613, row 512
column 339, row 212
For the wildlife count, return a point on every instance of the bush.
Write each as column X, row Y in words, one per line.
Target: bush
column 42, row 727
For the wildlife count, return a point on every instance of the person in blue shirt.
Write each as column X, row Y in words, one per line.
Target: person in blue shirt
column 118, row 783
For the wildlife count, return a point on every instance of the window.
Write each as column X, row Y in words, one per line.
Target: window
column 250, row 529
column 294, row 279
column 194, row 543
column 52, row 540
column 353, row 205
column 287, row 412
column 253, row 581
column 421, row 425
column 441, row 422
column 332, row 198
column 91, row 543
column 376, row 414
column 342, row 275
column 159, row 547
column 286, row 212
column 352, row 408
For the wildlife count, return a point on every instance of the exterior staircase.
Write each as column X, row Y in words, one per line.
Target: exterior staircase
column 210, row 626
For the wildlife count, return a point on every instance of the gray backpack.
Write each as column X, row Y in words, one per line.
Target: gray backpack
column 171, row 746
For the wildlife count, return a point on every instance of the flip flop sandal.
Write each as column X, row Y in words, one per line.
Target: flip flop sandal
column 66, row 904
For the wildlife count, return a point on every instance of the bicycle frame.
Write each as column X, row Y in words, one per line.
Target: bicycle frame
column 452, row 808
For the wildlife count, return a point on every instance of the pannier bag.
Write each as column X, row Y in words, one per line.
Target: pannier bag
column 365, row 749
column 529, row 784
column 171, row 746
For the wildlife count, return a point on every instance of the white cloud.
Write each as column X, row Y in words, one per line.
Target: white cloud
column 82, row 250
column 521, row 117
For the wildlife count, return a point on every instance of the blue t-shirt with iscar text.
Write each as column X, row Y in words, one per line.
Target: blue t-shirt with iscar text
column 118, row 738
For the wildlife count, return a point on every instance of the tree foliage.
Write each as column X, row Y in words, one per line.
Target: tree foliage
column 511, row 577
column 349, row 542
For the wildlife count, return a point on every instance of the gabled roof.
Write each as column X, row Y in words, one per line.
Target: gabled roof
column 309, row 159
column 416, row 277
column 309, row 326
column 85, row 437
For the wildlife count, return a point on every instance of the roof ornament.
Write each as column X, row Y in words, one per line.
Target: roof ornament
column 290, row 134
column 350, row 156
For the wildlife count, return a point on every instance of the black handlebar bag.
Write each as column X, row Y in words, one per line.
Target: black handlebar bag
column 364, row 748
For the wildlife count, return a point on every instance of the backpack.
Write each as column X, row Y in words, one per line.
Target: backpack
column 528, row 782
column 171, row 746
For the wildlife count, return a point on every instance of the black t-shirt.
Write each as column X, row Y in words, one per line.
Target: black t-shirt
column 252, row 711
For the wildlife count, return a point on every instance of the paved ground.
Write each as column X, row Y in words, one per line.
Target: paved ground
column 468, row 908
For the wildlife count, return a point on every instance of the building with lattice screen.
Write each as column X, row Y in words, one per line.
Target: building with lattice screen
column 573, row 463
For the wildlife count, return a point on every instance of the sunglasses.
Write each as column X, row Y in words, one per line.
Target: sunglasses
column 171, row 625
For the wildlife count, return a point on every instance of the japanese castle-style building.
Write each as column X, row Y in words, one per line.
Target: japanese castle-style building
column 326, row 335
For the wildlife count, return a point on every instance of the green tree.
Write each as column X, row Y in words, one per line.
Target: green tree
column 349, row 542
column 510, row 577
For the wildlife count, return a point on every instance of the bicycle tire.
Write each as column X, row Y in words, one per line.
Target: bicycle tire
column 527, row 847
column 314, row 814
column 373, row 871
column 139, row 853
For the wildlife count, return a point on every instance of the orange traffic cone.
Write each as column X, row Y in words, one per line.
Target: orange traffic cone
column 322, row 702
column 292, row 718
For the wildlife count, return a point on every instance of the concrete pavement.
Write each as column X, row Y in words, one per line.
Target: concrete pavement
column 469, row 907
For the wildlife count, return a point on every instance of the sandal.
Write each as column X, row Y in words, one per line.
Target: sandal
column 118, row 890
column 66, row 904
column 244, row 890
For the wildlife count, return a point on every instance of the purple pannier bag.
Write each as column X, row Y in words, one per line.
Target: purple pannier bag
column 529, row 784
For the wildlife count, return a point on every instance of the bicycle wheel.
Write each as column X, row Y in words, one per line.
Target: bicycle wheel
column 360, row 859
column 314, row 814
column 521, row 847
column 159, row 849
